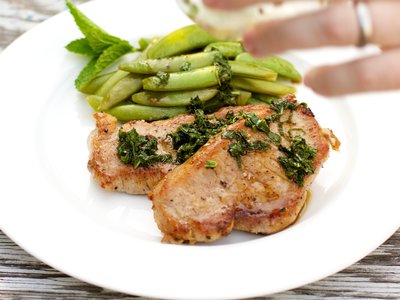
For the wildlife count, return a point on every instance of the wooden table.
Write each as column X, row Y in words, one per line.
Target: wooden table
column 21, row 275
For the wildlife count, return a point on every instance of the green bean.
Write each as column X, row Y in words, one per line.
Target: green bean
column 96, row 83
column 180, row 41
column 122, row 90
column 228, row 49
column 250, row 70
column 170, row 64
column 172, row 98
column 277, row 64
column 129, row 112
column 261, row 86
column 188, row 80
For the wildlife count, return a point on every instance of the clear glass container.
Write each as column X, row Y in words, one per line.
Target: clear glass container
column 232, row 24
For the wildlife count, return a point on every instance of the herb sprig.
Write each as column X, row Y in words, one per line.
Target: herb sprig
column 101, row 47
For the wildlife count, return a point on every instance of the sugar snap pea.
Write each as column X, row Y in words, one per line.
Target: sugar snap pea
column 254, row 101
column 121, row 90
column 180, row 81
column 111, row 82
column 265, row 98
column 143, row 43
column 262, row 86
column 169, row 64
column 96, row 83
column 228, row 49
column 94, row 101
column 129, row 112
column 251, row 70
column 242, row 97
column 277, row 64
column 180, row 41
column 172, row 98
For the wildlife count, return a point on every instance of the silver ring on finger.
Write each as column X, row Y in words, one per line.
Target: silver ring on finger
column 365, row 24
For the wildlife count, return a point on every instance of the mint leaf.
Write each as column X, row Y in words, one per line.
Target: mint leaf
column 99, row 63
column 102, row 47
column 98, row 39
column 80, row 46
column 112, row 53
column 86, row 75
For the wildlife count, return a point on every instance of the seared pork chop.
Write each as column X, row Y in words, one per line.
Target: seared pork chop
column 193, row 203
column 110, row 172
column 113, row 175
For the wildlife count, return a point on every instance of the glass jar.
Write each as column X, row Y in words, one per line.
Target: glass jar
column 231, row 24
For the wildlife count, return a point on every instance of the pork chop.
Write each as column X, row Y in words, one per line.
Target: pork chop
column 113, row 175
column 193, row 203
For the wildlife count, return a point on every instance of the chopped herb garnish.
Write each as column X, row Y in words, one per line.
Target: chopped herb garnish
column 256, row 123
column 211, row 164
column 224, row 69
column 241, row 144
column 195, row 104
column 225, row 92
column 189, row 137
column 163, row 77
column 298, row 160
column 186, row 66
column 139, row 150
column 261, row 124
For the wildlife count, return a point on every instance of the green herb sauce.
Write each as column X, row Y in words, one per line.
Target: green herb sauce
column 139, row 150
column 299, row 158
column 163, row 77
column 189, row 137
column 186, row 66
column 241, row 144
column 211, row 164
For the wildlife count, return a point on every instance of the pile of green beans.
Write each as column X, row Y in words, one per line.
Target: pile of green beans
column 179, row 67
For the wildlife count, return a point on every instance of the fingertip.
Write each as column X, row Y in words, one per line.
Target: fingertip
column 309, row 78
column 252, row 45
column 248, row 41
column 320, row 81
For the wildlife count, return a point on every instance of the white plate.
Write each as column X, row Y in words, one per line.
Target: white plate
column 50, row 206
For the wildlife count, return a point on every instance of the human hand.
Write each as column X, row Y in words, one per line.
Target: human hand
column 336, row 25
